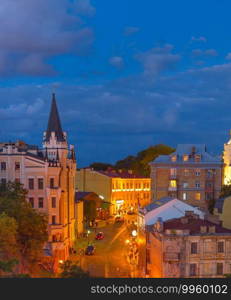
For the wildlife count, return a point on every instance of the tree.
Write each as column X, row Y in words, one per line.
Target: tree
column 98, row 166
column 72, row 270
column 31, row 224
column 89, row 208
column 226, row 190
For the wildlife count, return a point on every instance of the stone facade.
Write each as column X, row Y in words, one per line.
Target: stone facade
column 49, row 176
column 190, row 174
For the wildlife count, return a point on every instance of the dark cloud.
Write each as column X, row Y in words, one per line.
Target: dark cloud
column 33, row 31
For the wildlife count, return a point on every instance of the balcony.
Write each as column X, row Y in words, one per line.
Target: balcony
column 171, row 256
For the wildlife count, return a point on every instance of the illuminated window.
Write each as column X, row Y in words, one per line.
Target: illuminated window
column 198, row 196
column 172, row 183
column 185, row 157
column 173, row 158
column 184, row 196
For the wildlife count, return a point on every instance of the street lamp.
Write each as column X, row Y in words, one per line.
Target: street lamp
column 134, row 233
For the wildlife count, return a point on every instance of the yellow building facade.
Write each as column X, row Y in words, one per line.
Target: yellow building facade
column 124, row 190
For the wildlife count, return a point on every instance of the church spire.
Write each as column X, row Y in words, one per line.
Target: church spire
column 54, row 124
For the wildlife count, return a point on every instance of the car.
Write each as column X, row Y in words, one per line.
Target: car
column 99, row 236
column 90, row 250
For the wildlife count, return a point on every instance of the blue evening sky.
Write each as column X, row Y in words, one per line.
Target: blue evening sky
column 127, row 74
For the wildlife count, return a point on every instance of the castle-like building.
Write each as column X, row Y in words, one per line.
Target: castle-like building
column 49, row 176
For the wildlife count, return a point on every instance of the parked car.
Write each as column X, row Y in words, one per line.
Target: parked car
column 99, row 236
column 90, row 250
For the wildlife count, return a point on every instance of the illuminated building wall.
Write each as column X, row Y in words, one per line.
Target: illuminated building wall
column 123, row 190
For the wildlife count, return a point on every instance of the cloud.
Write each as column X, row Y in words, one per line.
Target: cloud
column 117, row 61
column 199, row 39
column 38, row 30
column 207, row 52
column 84, row 7
column 131, row 30
column 158, row 59
column 228, row 56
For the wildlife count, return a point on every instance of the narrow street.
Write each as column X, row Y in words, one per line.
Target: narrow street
column 110, row 257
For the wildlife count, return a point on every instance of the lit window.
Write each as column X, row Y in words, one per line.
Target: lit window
column 185, row 157
column 184, row 196
column 172, row 183
column 198, row 196
column 173, row 158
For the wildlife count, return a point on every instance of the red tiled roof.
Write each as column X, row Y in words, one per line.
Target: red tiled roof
column 193, row 225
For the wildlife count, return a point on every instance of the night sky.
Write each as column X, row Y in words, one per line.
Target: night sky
column 127, row 73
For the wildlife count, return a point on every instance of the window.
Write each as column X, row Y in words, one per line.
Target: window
column 197, row 196
column 219, row 268
column 173, row 158
column 185, row 185
column 220, row 247
column 53, row 202
column 17, row 166
column 172, row 183
column 54, row 238
column 40, row 202
column 198, row 172
column 31, row 201
column 197, row 184
column 209, row 184
column 173, row 172
column 185, row 157
column 192, row 269
column 17, row 180
column 3, row 181
column 184, row 196
column 40, row 183
column 52, row 182
column 193, row 248
column 31, row 183
column 209, row 173
column 53, row 220
column 186, row 172
column 3, row 165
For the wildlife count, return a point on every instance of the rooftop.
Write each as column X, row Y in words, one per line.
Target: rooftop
column 123, row 174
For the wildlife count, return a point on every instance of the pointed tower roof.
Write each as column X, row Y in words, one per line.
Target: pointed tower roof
column 54, row 124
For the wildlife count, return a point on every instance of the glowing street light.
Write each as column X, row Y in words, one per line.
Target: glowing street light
column 134, row 233
column 61, row 261
column 127, row 241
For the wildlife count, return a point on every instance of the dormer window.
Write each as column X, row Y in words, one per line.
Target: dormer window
column 197, row 158
column 173, row 158
column 185, row 157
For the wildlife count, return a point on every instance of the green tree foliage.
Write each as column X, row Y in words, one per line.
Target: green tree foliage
column 140, row 163
column 31, row 224
column 226, row 190
column 72, row 270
